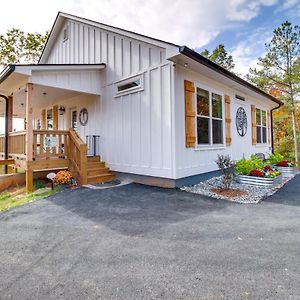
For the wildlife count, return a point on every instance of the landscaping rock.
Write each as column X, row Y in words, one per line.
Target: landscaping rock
column 251, row 193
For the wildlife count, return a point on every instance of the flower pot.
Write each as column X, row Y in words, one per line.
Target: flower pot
column 286, row 171
column 259, row 181
column 64, row 186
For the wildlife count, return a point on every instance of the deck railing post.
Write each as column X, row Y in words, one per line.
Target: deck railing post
column 29, row 137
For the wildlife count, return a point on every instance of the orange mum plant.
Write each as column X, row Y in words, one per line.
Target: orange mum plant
column 63, row 177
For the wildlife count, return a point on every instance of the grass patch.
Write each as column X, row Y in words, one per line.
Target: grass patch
column 18, row 196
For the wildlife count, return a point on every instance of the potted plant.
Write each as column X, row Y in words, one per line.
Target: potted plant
column 253, row 171
column 63, row 178
column 284, row 166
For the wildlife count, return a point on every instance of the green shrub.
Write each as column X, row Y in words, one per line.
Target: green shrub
column 257, row 163
column 39, row 184
column 245, row 166
column 275, row 158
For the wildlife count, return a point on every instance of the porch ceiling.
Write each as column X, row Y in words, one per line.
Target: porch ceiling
column 43, row 96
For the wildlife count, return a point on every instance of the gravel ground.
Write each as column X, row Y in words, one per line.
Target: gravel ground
column 254, row 194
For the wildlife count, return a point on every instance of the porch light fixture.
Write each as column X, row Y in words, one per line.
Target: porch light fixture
column 61, row 110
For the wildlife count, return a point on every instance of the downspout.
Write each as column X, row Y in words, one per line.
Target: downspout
column 6, row 131
column 272, row 131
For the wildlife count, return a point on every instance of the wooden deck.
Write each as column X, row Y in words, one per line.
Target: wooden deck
column 52, row 150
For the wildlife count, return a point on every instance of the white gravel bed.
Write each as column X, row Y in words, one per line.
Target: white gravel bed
column 255, row 194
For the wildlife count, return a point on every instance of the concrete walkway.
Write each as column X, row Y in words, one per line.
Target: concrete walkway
column 139, row 242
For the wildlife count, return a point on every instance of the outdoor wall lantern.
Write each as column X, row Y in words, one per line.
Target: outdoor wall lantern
column 61, row 110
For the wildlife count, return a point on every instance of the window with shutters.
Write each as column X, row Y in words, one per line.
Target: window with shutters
column 210, row 120
column 261, row 126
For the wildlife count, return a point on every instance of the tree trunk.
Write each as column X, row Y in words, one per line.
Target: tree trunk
column 295, row 134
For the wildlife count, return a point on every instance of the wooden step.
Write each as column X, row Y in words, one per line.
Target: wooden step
column 96, row 158
column 101, row 178
column 95, row 164
column 97, row 171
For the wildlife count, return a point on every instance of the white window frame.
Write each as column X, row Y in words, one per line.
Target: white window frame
column 261, row 126
column 132, row 89
column 211, row 91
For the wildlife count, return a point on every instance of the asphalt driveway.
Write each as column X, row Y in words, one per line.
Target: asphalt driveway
column 138, row 242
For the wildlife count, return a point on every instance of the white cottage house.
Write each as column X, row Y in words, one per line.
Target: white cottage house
column 155, row 111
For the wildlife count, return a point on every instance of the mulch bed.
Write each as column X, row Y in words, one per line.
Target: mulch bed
column 229, row 193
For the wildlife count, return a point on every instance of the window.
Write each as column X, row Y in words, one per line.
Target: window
column 74, row 119
column 261, row 126
column 49, row 119
column 129, row 86
column 209, row 117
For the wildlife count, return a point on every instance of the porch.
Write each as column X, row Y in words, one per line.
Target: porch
column 48, row 108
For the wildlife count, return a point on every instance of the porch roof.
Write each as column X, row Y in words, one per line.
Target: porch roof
column 84, row 78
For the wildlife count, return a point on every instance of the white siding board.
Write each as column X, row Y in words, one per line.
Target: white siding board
column 156, row 118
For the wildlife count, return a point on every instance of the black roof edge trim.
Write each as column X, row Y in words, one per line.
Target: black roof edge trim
column 6, row 72
column 208, row 63
column 57, row 65
column 52, row 28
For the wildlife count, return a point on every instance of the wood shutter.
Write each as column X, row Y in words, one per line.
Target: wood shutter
column 190, row 114
column 269, row 127
column 228, row 120
column 55, row 117
column 253, row 123
column 43, row 119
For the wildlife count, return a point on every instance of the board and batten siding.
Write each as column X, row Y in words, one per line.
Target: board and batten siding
column 87, row 44
column 193, row 161
column 135, row 129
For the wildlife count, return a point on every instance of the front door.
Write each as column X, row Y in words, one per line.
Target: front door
column 74, row 118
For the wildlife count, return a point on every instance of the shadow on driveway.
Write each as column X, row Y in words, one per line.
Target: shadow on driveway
column 136, row 209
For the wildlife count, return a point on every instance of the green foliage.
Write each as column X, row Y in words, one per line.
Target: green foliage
column 38, row 184
column 220, row 56
column 13, row 199
column 278, row 72
column 17, row 47
column 275, row 158
column 257, row 163
column 245, row 166
column 226, row 166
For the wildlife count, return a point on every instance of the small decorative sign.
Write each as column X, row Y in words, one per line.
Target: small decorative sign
column 241, row 121
column 83, row 116
column 50, row 141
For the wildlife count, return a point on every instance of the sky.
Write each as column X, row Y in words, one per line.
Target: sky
column 243, row 26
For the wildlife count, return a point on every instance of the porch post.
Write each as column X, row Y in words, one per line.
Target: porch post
column 29, row 138
column 10, row 113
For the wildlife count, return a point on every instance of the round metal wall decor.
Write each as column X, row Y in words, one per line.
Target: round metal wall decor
column 241, row 121
column 83, row 116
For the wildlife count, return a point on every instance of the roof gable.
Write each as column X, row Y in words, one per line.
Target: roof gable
column 62, row 17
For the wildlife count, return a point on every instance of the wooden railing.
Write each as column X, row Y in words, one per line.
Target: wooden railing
column 50, row 144
column 77, row 157
column 51, row 149
column 16, row 144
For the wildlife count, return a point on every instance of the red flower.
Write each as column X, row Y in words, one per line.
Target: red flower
column 283, row 163
column 256, row 173
column 268, row 168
